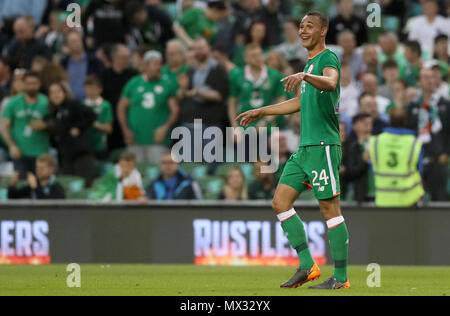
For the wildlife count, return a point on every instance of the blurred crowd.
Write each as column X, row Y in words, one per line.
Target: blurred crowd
column 96, row 102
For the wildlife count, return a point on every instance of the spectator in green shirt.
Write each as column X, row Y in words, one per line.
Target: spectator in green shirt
column 147, row 111
column 24, row 129
column 413, row 53
column 263, row 187
column 103, row 126
column 196, row 22
column 176, row 62
column 254, row 86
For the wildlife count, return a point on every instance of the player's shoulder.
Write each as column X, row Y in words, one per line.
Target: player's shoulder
column 329, row 54
column 329, row 59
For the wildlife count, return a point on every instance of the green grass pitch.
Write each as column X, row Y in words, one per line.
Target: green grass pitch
column 189, row 280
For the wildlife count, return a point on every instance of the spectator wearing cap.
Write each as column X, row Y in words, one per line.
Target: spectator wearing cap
column 24, row 47
column 79, row 64
column 347, row 20
column 147, row 111
column 113, row 80
column 196, row 22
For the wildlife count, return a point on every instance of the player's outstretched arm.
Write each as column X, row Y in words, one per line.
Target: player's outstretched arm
column 327, row 82
column 283, row 108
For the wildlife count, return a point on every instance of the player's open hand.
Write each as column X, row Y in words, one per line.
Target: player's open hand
column 249, row 117
column 292, row 82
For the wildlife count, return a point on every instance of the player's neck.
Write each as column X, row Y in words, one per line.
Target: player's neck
column 316, row 50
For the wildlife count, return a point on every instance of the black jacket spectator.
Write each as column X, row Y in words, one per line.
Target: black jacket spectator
column 109, row 21
column 54, row 191
column 356, row 170
column 113, row 84
column 212, row 113
column 355, row 24
column 22, row 54
column 182, row 187
column 66, row 116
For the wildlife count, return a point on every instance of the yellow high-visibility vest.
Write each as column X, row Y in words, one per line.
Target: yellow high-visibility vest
column 397, row 180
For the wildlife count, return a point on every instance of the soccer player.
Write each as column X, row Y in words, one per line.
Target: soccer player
column 318, row 158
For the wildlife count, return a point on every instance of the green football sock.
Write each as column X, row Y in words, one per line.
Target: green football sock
column 295, row 232
column 338, row 237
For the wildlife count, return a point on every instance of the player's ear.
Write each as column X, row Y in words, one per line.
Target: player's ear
column 324, row 31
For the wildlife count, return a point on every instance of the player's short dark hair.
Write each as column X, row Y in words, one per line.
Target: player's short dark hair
column 390, row 63
column 322, row 17
column 414, row 46
column 93, row 80
column 359, row 117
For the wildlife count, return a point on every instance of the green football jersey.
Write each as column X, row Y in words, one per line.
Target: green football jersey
column 196, row 24
column 320, row 109
column 104, row 112
column 253, row 95
column 32, row 143
column 149, row 107
column 166, row 74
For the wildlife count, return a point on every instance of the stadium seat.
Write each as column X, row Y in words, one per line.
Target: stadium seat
column 71, row 183
column 79, row 195
column 148, row 170
column 211, row 186
column 196, row 170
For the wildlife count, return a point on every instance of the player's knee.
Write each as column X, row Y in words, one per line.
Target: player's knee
column 279, row 206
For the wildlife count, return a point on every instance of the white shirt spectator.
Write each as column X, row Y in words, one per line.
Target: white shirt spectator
column 424, row 32
column 349, row 99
